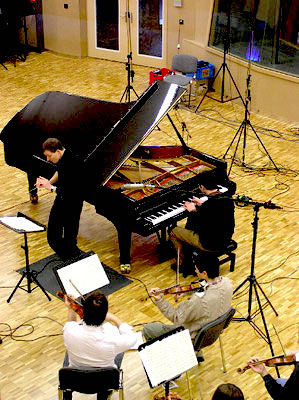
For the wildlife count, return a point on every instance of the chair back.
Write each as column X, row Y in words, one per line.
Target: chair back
column 98, row 380
column 209, row 333
column 184, row 63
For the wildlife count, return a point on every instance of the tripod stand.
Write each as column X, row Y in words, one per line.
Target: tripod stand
column 28, row 226
column 242, row 130
column 127, row 92
column 223, row 68
column 27, row 273
column 253, row 283
column 130, row 75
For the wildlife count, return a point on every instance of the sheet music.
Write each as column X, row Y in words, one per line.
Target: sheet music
column 87, row 275
column 21, row 224
column 164, row 359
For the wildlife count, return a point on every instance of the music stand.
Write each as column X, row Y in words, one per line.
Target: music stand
column 167, row 356
column 81, row 276
column 23, row 224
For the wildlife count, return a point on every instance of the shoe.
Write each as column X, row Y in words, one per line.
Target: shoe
column 200, row 357
column 125, row 268
column 33, row 198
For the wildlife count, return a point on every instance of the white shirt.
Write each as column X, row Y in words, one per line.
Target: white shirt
column 97, row 346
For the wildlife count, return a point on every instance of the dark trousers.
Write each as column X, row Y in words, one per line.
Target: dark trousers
column 63, row 226
column 31, row 183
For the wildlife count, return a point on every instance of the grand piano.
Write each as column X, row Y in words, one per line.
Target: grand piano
column 138, row 188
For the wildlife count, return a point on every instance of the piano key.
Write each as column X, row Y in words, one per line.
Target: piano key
column 171, row 214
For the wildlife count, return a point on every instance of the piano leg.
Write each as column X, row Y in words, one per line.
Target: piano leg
column 124, row 243
column 162, row 236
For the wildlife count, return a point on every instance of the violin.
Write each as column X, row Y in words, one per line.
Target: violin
column 178, row 289
column 75, row 305
column 274, row 361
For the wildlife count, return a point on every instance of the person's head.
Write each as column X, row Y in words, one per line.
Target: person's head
column 228, row 391
column 206, row 265
column 53, row 150
column 95, row 308
column 207, row 181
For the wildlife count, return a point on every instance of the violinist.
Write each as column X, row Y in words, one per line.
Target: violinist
column 279, row 389
column 199, row 309
column 99, row 339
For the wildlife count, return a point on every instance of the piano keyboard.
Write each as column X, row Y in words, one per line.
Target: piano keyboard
column 165, row 214
column 169, row 212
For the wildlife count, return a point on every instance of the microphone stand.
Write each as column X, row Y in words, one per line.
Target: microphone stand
column 254, row 286
column 245, row 124
column 224, row 67
column 127, row 92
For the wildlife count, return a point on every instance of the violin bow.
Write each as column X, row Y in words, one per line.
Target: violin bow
column 281, row 345
column 75, row 287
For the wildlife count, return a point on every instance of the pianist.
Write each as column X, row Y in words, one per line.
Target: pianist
column 63, row 224
column 210, row 223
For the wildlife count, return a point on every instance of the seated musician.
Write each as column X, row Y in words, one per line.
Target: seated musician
column 199, row 309
column 99, row 339
column 279, row 389
column 210, row 224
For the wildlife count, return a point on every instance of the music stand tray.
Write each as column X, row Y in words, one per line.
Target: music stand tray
column 23, row 224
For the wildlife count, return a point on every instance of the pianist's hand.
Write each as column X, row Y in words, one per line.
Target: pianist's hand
column 43, row 182
column 189, row 206
column 155, row 293
column 199, row 201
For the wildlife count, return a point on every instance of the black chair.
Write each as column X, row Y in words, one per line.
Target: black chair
column 230, row 256
column 227, row 252
column 212, row 331
column 100, row 381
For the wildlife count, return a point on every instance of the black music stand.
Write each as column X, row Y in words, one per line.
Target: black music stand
column 24, row 224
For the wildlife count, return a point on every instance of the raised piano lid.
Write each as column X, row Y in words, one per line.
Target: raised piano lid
column 79, row 122
column 131, row 130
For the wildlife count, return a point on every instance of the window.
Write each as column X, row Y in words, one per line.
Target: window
column 265, row 31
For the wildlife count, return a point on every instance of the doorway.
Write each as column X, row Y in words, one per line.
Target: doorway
column 121, row 27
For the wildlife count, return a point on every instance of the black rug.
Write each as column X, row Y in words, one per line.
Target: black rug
column 45, row 275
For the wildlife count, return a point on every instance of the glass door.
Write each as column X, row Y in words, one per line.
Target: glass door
column 119, row 28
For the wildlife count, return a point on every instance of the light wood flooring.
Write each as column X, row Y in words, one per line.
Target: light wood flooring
column 29, row 364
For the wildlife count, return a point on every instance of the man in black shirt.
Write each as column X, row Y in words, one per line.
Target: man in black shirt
column 279, row 389
column 63, row 224
column 210, row 224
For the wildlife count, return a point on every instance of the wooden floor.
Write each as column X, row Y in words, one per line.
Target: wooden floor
column 29, row 364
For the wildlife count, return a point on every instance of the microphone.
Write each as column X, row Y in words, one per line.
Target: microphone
column 269, row 204
column 248, row 200
column 137, row 186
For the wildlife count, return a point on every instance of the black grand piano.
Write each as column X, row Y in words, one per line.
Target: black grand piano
column 138, row 188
